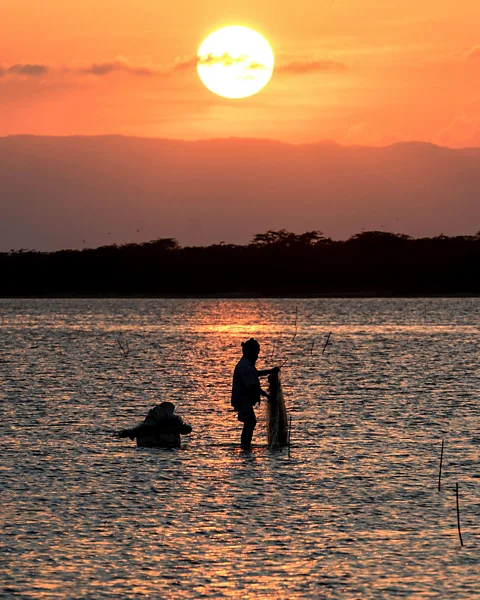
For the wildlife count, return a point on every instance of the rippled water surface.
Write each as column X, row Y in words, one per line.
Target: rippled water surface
column 354, row 512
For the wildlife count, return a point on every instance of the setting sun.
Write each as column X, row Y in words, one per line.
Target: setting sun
column 235, row 62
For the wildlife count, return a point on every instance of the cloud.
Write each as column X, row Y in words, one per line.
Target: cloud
column 179, row 65
column 120, row 64
column 293, row 67
column 188, row 63
column 254, row 66
column 227, row 60
column 29, row 70
column 99, row 69
column 365, row 135
column 301, row 67
column 182, row 63
column 462, row 131
column 473, row 54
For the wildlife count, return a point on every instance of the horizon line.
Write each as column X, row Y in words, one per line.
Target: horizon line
column 223, row 244
column 324, row 141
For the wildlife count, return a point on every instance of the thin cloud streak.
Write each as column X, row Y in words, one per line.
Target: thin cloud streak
column 227, row 60
column 299, row 67
column 179, row 65
column 28, row 70
column 117, row 65
column 185, row 63
column 296, row 67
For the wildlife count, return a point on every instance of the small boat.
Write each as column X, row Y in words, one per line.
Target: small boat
column 160, row 429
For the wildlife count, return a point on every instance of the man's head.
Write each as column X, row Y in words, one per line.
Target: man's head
column 251, row 349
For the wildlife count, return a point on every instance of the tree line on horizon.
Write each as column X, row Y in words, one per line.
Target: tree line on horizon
column 274, row 263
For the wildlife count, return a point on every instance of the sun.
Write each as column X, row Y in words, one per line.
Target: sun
column 235, row 62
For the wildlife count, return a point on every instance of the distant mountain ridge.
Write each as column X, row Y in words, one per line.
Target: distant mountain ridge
column 70, row 192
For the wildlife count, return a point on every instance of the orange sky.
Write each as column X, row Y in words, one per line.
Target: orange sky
column 368, row 72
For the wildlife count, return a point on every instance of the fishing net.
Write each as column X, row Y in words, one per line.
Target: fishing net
column 276, row 413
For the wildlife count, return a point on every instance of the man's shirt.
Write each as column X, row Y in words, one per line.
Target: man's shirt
column 244, row 376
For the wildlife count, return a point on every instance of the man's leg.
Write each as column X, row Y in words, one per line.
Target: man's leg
column 247, row 433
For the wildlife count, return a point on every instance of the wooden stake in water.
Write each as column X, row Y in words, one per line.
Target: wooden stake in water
column 327, row 342
column 440, row 471
column 458, row 519
column 289, row 434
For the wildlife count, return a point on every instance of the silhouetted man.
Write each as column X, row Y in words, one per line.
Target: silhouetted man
column 246, row 390
column 160, row 429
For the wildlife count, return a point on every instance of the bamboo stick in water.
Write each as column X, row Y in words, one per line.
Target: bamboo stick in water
column 458, row 518
column 289, row 434
column 440, row 471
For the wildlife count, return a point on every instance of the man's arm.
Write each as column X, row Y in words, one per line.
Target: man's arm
column 266, row 372
column 254, row 393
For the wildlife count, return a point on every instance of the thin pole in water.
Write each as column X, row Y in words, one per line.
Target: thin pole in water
column 327, row 342
column 440, row 471
column 289, row 434
column 458, row 518
column 296, row 317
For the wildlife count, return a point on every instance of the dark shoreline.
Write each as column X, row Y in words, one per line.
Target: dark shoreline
column 276, row 264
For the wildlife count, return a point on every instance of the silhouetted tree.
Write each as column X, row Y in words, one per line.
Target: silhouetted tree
column 274, row 263
column 287, row 238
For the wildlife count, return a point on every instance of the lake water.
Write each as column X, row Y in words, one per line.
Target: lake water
column 354, row 512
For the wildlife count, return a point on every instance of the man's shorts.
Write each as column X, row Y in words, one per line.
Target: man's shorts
column 246, row 413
